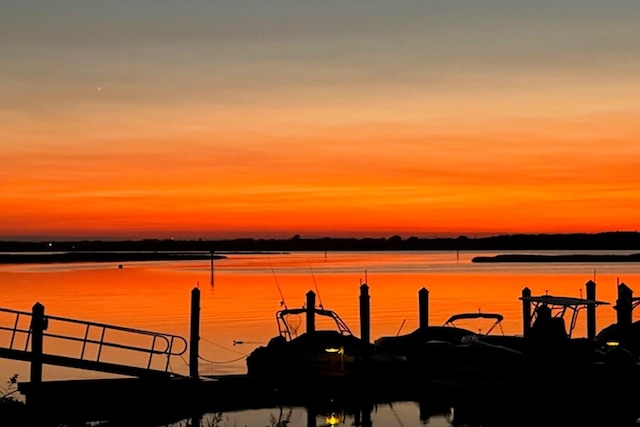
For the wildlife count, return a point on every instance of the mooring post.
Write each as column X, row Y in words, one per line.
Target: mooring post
column 526, row 312
column 624, row 307
column 38, row 325
column 365, row 319
column 194, row 338
column 311, row 312
column 423, row 308
column 37, row 333
column 591, row 310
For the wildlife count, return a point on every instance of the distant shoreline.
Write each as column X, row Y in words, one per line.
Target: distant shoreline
column 142, row 256
column 557, row 258
column 577, row 242
column 72, row 257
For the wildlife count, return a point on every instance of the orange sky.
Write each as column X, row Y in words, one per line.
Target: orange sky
column 418, row 119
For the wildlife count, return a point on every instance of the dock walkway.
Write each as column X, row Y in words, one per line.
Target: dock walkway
column 95, row 346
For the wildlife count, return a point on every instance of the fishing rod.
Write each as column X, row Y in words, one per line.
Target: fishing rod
column 282, row 301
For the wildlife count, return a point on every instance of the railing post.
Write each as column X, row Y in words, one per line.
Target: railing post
column 194, row 339
column 423, row 308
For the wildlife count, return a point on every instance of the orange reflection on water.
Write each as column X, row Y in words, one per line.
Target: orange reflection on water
column 239, row 300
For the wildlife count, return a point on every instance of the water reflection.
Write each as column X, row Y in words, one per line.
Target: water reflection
column 390, row 414
column 241, row 306
column 408, row 414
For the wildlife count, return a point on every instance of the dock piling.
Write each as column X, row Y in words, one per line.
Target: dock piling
column 365, row 318
column 624, row 306
column 526, row 313
column 194, row 339
column 423, row 308
column 311, row 312
column 34, row 398
column 37, row 333
column 591, row 310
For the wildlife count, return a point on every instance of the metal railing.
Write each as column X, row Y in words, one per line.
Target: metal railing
column 159, row 344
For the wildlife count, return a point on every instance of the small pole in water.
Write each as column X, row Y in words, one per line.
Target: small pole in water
column 212, row 269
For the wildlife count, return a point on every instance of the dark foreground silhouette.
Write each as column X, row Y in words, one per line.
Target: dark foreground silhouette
column 126, row 402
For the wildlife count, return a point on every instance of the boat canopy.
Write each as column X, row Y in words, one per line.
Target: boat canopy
column 476, row 315
column 562, row 301
column 558, row 305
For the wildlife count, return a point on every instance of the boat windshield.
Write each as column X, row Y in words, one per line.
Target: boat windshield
column 293, row 322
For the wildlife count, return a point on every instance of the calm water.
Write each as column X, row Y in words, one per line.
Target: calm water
column 240, row 297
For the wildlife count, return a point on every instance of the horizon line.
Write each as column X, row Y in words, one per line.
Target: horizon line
column 435, row 236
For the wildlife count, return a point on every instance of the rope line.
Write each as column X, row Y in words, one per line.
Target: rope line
column 222, row 363
column 221, row 346
column 184, row 360
column 212, row 361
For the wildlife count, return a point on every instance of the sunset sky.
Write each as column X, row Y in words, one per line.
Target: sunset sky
column 269, row 118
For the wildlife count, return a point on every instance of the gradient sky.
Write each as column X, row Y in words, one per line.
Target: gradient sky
column 269, row 118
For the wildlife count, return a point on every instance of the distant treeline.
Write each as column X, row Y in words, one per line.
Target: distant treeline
column 578, row 241
column 633, row 257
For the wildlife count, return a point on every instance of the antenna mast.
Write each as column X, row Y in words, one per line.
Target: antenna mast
column 316, row 286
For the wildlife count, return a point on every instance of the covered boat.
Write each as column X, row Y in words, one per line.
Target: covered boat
column 330, row 350
column 430, row 351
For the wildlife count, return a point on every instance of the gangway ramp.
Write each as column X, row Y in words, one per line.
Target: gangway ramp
column 88, row 345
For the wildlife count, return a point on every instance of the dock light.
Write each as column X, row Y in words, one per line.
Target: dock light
column 333, row 419
column 340, row 351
